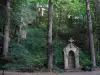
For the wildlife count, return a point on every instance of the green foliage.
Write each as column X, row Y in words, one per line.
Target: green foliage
column 84, row 59
column 71, row 7
column 85, row 62
column 58, row 46
column 17, row 52
column 19, row 56
column 22, row 12
column 37, row 47
column 11, row 66
column 36, row 32
column 98, row 59
column 39, row 1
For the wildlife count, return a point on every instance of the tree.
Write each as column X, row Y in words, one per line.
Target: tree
column 2, row 17
column 6, row 29
column 49, row 50
column 91, row 43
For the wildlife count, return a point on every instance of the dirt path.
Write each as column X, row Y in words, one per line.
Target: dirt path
column 48, row 73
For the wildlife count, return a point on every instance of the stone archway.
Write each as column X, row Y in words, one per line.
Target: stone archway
column 71, row 60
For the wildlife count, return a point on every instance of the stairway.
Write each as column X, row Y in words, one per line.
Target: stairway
column 73, row 70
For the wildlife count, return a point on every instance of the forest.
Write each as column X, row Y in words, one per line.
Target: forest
column 33, row 33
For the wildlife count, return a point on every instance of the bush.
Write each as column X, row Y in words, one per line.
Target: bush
column 31, row 52
column 36, row 33
column 37, row 47
column 58, row 46
column 85, row 62
column 18, row 55
column 84, row 59
column 98, row 59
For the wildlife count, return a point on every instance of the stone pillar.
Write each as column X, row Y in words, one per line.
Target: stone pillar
column 77, row 60
column 65, row 60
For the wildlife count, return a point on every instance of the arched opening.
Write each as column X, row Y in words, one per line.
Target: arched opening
column 71, row 60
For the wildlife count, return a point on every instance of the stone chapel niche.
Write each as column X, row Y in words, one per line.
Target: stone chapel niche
column 71, row 56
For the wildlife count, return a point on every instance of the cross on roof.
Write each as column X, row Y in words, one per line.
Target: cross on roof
column 71, row 40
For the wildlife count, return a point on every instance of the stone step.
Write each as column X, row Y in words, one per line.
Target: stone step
column 73, row 70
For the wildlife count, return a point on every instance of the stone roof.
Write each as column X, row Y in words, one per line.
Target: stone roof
column 71, row 45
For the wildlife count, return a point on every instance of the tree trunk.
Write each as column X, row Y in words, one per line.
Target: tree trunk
column 6, row 29
column 91, row 43
column 49, row 50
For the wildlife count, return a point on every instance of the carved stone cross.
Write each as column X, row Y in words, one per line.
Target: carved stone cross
column 71, row 40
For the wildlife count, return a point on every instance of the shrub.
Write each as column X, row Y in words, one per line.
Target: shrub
column 58, row 46
column 37, row 47
column 37, row 33
column 84, row 61
column 18, row 55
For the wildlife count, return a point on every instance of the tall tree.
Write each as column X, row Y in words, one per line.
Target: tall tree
column 49, row 50
column 6, row 29
column 91, row 43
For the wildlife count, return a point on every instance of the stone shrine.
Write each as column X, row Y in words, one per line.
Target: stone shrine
column 71, row 56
